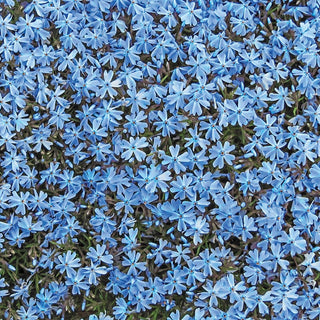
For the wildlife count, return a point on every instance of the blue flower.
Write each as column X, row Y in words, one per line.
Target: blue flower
column 310, row 264
column 221, row 153
column 199, row 228
column 132, row 262
column 175, row 161
column 30, row 313
column 93, row 272
column 233, row 288
column 21, row 202
column 208, row 262
column 127, row 200
column 175, row 281
column 273, row 151
column 136, row 125
column 248, row 181
column 315, row 175
column 180, row 253
column 132, row 148
column 195, row 139
column 188, row 14
column 293, row 242
column 121, row 309
column 240, row 113
column 67, row 262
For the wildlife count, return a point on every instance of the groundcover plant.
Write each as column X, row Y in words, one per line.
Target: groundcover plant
column 159, row 159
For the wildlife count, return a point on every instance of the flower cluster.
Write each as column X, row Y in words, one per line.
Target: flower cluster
column 159, row 159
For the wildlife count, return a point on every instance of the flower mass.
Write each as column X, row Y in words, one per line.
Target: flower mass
column 159, row 159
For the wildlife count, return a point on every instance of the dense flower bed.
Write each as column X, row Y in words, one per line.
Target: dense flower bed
column 159, row 159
